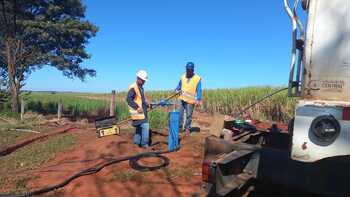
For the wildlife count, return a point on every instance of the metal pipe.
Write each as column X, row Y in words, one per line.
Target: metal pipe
column 301, row 50
column 299, row 23
column 293, row 51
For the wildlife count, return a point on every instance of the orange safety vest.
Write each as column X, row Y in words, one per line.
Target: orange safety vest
column 135, row 115
column 189, row 88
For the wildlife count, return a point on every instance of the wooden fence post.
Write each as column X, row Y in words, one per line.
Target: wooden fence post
column 22, row 108
column 59, row 110
column 112, row 106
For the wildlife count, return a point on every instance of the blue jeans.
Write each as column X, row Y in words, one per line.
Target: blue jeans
column 141, row 136
column 189, row 111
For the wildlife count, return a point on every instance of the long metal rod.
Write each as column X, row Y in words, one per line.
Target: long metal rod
column 258, row 101
column 166, row 99
column 300, row 51
column 293, row 51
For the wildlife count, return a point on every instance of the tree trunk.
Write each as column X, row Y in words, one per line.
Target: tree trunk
column 11, row 66
column 14, row 98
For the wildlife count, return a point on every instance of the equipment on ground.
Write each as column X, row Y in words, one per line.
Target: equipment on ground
column 174, row 125
column 314, row 156
column 107, row 126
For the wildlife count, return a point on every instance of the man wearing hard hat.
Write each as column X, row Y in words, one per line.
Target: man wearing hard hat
column 138, row 109
column 191, row 94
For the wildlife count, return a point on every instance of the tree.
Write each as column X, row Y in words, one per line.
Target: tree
column 37, row 33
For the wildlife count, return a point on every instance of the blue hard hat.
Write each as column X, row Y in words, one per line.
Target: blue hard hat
column 190, row 65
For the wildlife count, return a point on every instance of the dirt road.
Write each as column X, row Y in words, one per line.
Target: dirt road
column 182, row 177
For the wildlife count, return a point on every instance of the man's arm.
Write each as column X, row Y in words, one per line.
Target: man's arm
column 130, row 99
column 178, row 88
column 199, row 91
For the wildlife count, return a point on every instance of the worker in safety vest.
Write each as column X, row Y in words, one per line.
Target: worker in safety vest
column 138, row 109
column 191, row 94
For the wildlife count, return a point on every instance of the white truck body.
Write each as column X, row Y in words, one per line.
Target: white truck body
column 326, row 80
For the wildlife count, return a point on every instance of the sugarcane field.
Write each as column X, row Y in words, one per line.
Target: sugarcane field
column 174, row 98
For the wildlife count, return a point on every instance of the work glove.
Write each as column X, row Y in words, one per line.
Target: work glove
column 163, row 103
column 139, row 110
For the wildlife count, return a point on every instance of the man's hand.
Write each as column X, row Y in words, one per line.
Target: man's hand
column 139, row 110
column 198, row 103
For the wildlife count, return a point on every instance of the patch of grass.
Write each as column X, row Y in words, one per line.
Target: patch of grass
column 280, row 107
column 122, row 110
column 186, row 173
column 7, row 113
column 158, row 119
column 36, row 154
column 128, row 175
column 9, row 137
column 15, row 184
column 3, row 181
column 20, row 185
column 73, row 104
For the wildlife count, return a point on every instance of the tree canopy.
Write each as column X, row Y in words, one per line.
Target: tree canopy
column 37, row 33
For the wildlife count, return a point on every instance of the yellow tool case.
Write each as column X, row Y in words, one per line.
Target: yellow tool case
column 106, row 126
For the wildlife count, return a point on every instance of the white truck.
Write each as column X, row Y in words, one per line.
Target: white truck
column 314, row 156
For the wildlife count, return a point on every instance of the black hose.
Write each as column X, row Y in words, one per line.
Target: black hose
column 134, row 163
column 94, row 170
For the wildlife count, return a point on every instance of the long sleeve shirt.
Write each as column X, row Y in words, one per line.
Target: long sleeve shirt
column 130, row 100
column 198, row 89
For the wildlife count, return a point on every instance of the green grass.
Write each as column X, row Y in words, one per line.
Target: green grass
column 184, row 172
column 16, row 184
column 36, row 154
column 30, row 157
column 127, row 175
column 10, row 137
column 158, row 119
column 21, row 185
column 73, row 105
column 3, row 181
column 226, row 101
column 280, row 107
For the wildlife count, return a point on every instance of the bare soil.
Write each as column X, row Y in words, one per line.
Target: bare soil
column 182, row 177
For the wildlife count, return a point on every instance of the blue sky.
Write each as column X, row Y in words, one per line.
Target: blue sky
column 233, row 43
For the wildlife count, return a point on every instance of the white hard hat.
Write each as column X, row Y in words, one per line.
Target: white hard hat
column 142, row 75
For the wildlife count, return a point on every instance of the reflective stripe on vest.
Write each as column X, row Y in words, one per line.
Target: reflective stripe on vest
column 189, row 88
column 135, row 115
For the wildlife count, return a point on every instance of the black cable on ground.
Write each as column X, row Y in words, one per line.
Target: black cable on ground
column 134, row 163
column 94, row 170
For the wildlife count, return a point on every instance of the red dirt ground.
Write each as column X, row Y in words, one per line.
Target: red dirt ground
column 181, row 178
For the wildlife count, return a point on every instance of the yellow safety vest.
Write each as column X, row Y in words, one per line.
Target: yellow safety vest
column 189, row 88
column 138, row 100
